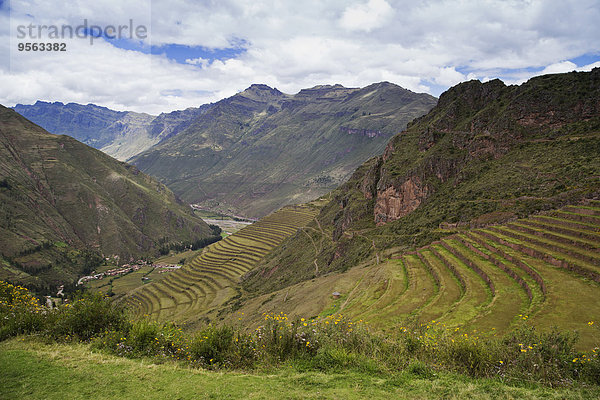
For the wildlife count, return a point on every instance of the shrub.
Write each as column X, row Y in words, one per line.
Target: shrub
column 546, row 357
column 20, row 312
column 212, row 345
column 145, row 338
column 279, row 339
column 469, row 355
column 87, row 316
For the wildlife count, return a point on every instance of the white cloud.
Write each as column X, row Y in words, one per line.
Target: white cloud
column 560, row 67
column 292, row 45
column 203, row 62
column 449, row 77
column 366, row 17
column 589, row 67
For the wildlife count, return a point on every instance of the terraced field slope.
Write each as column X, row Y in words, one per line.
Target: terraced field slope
column 212, row 279
column 543, row 270
column 487, row 153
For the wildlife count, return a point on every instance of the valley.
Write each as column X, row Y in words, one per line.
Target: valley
column 354, row 199
column 65, row 206
column 469, row 240
column 251, row 153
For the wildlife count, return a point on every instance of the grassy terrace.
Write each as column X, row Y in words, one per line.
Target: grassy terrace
column 210, row 280
column 543, row 270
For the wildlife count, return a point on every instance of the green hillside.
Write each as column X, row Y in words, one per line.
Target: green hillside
column 481, row 228
column 261, row 149
column 487, row 153
column 542, row 271
column 480, row 213
column 63, row 205
column 471, row 246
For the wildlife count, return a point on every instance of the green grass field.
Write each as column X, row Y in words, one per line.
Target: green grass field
column 30, row 369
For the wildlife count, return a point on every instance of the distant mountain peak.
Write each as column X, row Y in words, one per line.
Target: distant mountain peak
column 261, row 86
column 42, row 103
column 386, row 84
column 121, row 134
column 259, row 91
column 328, row 87
column 326, row 91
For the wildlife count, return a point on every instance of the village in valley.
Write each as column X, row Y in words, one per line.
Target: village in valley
column 161, row 268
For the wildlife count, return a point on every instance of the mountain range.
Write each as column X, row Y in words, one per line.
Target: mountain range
column 120, row 134
column 251, row 153
column 485, row 207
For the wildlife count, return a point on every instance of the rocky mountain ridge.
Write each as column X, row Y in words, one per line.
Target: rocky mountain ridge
column 261, row 149
column 483, row 121
column 120, row 134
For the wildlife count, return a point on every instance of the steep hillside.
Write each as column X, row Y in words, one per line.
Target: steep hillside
column 487, row 153
column 62, row 203
column 261, row 149
column 120, row 134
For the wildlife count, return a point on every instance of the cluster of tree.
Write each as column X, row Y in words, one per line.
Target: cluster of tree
column 43, row 246
column 4, row 183
column 165, row 248
column 54, row 267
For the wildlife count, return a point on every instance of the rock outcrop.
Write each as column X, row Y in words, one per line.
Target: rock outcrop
column 394, row 203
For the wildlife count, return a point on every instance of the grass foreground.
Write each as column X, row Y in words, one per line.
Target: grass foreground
column 32, row 369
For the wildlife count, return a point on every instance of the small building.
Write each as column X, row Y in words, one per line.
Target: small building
column 336, row 295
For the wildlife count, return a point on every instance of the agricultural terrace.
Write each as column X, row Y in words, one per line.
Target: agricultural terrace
column 542, row 271
column 212, row 278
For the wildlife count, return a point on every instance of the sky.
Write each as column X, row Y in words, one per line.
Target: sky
column 177, row 54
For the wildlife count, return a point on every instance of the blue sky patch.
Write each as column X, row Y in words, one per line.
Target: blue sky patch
column 180, row 53
column 510, row 74
column 586, row 59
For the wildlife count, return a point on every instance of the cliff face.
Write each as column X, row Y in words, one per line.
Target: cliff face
column 393, row 203
column 475, row 122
